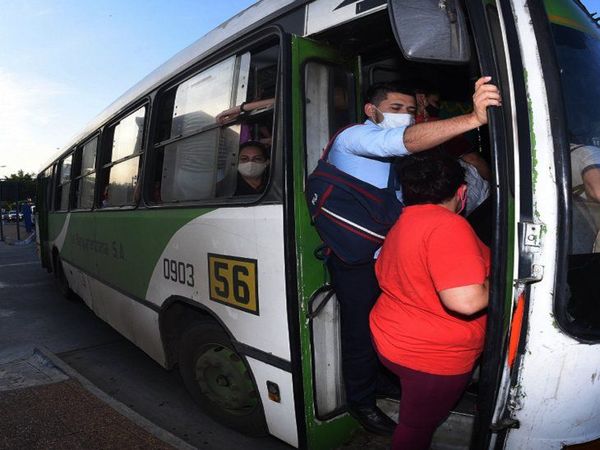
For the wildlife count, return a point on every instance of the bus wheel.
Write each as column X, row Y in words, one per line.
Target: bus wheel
column 62, row 282
column 219, row 379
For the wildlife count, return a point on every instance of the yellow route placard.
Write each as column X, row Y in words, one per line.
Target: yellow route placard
column 233, row 281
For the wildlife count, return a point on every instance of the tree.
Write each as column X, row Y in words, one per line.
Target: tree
column 22, row 176
column 17, row 187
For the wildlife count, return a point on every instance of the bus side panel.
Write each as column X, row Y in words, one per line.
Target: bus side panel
column 135, row 321
column 208, row 250
column 280, row 416
column 79, row 246
column 58, row 224
column 131, row 243
column 78, row 282
column 231, row 262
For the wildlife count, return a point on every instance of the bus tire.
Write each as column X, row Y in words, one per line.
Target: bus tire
column 219, row 379
column 62, row 282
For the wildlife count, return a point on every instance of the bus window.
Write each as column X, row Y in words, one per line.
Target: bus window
column 330, row 105
column 188, row 164
column 256, row 128
column 85, row 181
column 121, row 168
column 48, row 177
column 203, row 121
column 64, row 184
column 579, row 60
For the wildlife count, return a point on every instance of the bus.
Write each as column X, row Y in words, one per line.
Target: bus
column 138, row 215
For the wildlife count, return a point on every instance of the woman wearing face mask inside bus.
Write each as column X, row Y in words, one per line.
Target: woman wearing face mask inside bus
column 253, row 164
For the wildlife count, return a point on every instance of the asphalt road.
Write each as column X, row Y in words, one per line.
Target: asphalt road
column 34, row 314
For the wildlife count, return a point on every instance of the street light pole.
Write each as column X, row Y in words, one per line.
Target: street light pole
column 1, row 218
column 18, row 210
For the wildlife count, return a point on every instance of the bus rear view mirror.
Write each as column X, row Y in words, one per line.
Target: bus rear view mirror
column 430, row 30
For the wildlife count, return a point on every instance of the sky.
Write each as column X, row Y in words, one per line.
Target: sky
column 63, row 61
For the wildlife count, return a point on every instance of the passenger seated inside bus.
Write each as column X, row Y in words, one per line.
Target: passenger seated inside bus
column 253, row 168
column 199, row 132
column 251, row 129
column 585, row 179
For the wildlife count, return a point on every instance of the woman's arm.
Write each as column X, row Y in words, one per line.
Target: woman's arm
column 466, row 300
column 231, row 114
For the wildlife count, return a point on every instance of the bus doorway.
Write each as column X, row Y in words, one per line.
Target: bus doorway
column 326, row 88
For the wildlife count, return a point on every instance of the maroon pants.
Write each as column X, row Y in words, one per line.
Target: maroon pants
column 426, row 402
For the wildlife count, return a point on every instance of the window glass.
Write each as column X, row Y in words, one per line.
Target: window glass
column 201, row 98
column 122, row 161
column 65, row 169
column 201, row 126
column 85, row 191
column 49, row 176
column 128, row 135
column 190, row 168
column 579, row 60
column 63, row 186
column 88, row 157
column 329, row 103
column 64, row 196
column 84, row 176
column 256, row 121
column 122, row 182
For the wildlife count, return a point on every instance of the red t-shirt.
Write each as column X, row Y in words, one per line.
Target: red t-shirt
column 428, row 250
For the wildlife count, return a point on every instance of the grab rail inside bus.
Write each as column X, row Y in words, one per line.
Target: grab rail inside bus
column 314, row 313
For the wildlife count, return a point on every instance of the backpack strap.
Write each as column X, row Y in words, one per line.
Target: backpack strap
column 325, row 153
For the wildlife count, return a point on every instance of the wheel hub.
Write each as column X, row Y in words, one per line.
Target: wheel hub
column 223, row 378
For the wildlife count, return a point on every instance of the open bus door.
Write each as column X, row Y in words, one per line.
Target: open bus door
column 438, row 32
column 324, row 92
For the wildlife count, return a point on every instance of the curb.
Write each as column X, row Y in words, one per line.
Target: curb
column 30, row 239
column 122, row 409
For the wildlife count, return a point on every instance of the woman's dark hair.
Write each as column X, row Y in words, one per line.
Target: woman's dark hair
column 255, row 144
column 429, row 177
column 379, row 91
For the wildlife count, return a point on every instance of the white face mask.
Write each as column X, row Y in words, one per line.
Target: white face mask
column 252, row 169
column 395, row 120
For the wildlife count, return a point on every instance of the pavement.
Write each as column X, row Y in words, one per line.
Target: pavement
column 11, row 237
column 46, row 404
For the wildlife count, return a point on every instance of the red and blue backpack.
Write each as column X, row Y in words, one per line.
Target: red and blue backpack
column 351, row 216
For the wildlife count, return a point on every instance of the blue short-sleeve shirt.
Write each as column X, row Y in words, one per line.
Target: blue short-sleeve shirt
column 365, row 152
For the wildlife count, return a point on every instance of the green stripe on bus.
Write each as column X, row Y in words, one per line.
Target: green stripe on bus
column 122, row 248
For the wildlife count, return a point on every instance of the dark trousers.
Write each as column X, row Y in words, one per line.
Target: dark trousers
column 357, row 290
column 426, row 402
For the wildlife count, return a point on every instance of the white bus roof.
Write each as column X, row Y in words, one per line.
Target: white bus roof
column 320, row 15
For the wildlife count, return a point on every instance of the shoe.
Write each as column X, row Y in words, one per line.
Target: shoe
column 389, row 391
column 373, row 419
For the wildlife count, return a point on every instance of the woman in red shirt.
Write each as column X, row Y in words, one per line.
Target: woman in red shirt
column 428, row 324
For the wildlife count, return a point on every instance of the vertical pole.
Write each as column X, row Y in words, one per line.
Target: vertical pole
column 1, row 218
column 18, row 211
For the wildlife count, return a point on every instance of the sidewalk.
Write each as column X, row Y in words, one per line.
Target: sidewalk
column 46, row 404
column 10, row 232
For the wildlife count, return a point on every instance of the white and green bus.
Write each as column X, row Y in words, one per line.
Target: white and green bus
column 138, row 214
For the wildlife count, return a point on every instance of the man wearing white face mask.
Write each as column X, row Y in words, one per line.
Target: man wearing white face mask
column 365, row 151
column 253, row 161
